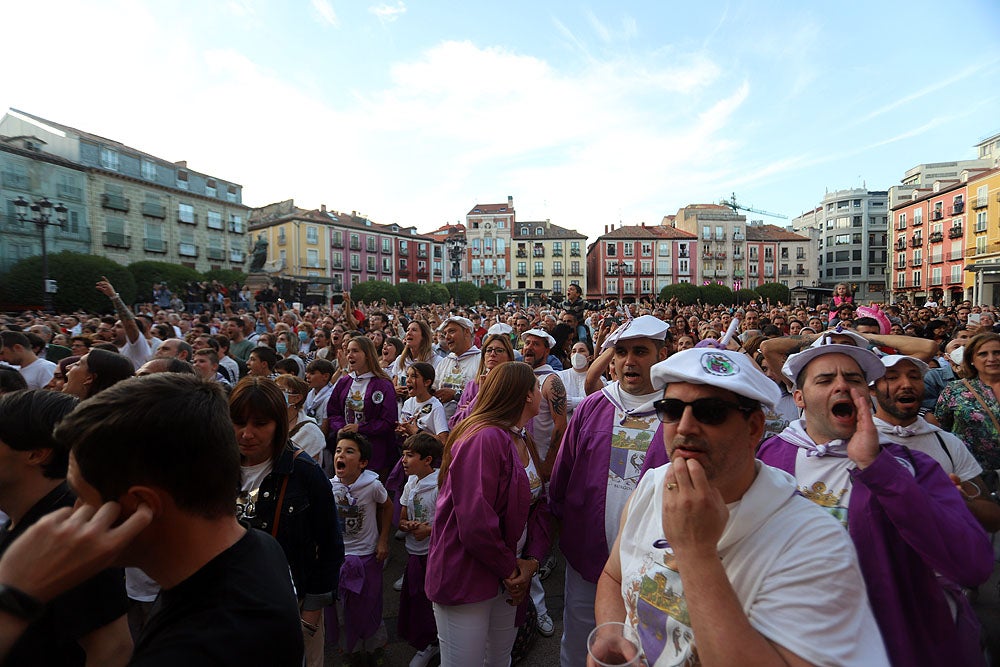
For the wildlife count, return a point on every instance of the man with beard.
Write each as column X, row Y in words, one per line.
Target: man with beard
column 916, row 540
column 597, row 468
column 716, row 559
column 128, row 337
column 459, row 367
column 899, row 394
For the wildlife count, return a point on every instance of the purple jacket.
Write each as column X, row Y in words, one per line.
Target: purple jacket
column 905, row 528
column 465, row 406
column 482, row 511
column 379, row 425
column 578, row 489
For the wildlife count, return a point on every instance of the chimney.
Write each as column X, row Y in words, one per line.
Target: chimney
column 322, row 208
column 644, row 223
column 510, row 202
column 605, row 229
column 354, row 214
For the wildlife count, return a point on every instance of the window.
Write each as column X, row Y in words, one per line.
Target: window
column 628, row 249
column 574, row 267
column 312, row 236
column 539, row 231
column 154, row 238
column 477, row 267
column 664, row 249
column 210, row 190
column 355, row 242
column 557, row 268
column 901, row 224
column 557, row 286
column 611, row 286
column 356, row 262
column 235, row 223
column 539, row 268
column 612, row 250
column 501, row 247
column 214, row 220
column 386, row 265
column 371, row 244
column 109, row 159
column 981, row 221
column 371, row 262
column 182, row 180
column 403, row 247
column 338, row 260
column 843, row 239
column 574, row 248
column 231, row 194
column 149, row 170
column 647, row 249
column 185, row 213
column 522, row 269
column 386, row 244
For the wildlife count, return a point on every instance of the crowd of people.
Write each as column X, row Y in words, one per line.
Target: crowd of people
column 758, row 483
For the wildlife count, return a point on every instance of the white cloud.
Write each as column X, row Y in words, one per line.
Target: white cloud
column 388, row 13
column 325, row 10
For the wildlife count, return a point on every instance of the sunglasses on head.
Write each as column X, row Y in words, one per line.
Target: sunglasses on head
column 708, row 411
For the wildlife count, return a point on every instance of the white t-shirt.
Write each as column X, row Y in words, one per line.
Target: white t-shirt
column 826, row 481
column 432, row 417
column 138, row 352
column 920, row 436
column 316, row 401
column 252, row 477
column 38, row 373
column 357, row 509
column 454, row 372
column 309, row 438
column 419, row 497
column 816, row 607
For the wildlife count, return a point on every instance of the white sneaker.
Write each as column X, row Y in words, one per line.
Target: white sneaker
column 423, row 658
column 398, row 584
column 545, row 625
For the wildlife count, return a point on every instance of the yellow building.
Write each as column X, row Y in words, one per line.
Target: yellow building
column 548, row 257
column 982, row 253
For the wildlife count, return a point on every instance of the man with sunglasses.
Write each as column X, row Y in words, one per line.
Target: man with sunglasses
column 917, row 542
column 718, row 560
column 598, row 466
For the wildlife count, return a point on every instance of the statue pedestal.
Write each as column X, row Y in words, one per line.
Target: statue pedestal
column 257, row 281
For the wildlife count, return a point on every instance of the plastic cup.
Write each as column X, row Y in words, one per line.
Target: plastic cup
column 614, row 644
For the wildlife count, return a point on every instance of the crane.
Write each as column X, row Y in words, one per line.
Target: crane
column 731, row 203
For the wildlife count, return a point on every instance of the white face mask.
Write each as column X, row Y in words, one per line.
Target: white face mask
column 579, row 361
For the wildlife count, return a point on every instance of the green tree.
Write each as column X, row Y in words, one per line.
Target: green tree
column 464, row 293
column 147, row 273
column 685, row 293
column 374, row 291
column 226, row 276
column 438, row 293
column 714, row 294
column 487, row 293
column 414, row 293
column 76, row 275
column 745, row 296
column 776, row 292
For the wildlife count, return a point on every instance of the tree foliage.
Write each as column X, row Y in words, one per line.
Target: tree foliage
column 148, row 273
column 776, row 292
column 487, row 293
column 745, row 296
column 685, row 293
column 414, row 294
column 438, row 293
column 715, row 294
column 226, row 276
column 464, row 293
column 76, row 275
column 374, row 291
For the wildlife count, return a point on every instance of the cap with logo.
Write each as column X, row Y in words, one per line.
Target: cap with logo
column 725, row 369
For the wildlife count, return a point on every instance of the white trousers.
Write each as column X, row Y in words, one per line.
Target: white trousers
column 481, row 633
column 538, row 596
column 578, row 618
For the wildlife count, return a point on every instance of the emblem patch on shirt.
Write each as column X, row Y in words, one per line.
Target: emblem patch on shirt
column 718, row 364
column 377, row 398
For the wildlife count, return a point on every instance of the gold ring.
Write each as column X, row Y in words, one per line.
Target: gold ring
column 671, row 486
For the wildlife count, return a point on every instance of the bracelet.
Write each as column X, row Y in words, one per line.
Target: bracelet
column 538, row 566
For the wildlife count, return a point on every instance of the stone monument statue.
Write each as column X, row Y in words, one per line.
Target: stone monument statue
column 259, row 256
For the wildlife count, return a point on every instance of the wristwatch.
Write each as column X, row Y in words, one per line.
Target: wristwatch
column 19, row 604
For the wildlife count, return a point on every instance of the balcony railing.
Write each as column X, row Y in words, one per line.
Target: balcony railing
column 154, row 210
column 114, row 202
column 784, row 272
column 937, row 214
column 154, row 245
column 955, row 232
column 981, row 202
column 916, row 262
column 916, row 242
column 739, row 273
column 934, row 281
column 957, row 208
column 739, row 238
column 187, row 218
column 116, row 240
column 69, row 191
column 539, row 274
column 801, row 272
column 936, row 259
column 522, row 274
column 901, row 244
column 918, row 220
column 538, row 252
column 557, row 253
column 187, row 250
column 575, row 273
column 557, row 272
column 236, row 256
column 936, row 237
column 338, row 243
column 574, row 252
column 522, row 253
column 955, row 255
column 420, row 253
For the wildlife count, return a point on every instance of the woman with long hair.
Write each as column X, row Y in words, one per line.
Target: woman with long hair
column 364, row 401
column 417, row 344
column 970, row 407
column 285, row 493
column 96, row 371
column 491, row 525
column 391, row 349
column 497, row 349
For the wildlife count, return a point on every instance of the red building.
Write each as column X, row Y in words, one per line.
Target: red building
column 637, row 261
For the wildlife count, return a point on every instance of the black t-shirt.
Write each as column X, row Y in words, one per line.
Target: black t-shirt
column 53, row 638
column 239, row 609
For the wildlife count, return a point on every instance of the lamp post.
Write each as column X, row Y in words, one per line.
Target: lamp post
column 620, row 283
column 456, row 248
column 41, row 211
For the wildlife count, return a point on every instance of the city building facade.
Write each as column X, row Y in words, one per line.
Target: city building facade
column 548, row 257
column 852, row 230
column 452, row 243
column 141, row 207
column 982, row 241
column 634, row 262
column 488, row 235
column 777, row 255
column 721, row 232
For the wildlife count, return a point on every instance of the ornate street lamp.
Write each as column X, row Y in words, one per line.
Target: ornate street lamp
column 41, row 211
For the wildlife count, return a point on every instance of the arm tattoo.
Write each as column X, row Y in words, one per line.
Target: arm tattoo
column 557, row 395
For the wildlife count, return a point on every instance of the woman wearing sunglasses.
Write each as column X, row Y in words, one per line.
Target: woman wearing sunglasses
column 497, row 349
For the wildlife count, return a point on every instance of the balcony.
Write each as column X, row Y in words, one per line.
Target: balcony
column 647, row 272
column 574, row 252
column 936, row 259
column 981, row 202
column 720, row 237
column 154, row 245
column 437, row 272
column 116, row 240
column 338, row 243
column 154, row 210
column 215, row 253
column 114, row 202
column 739, row 238
column 236, row 256
column 918, row 220
column 538, row 252
column 721, row 273
column 355, row 245
column 955, row 232
column 936, row 237
column 739, row 273
column 69, row 191
column 282, row 239
column 557, row 272
column 784, row 272
column 935, row 281
column 187, row 250
column 386, row 269
column 522, row 274
column 971, row 251
column 683, row 254
column 958, row 208
column 557, row 253
column 738, row 256
column 187, row 218
column 422, row 254
column 575, row 272
column 522, row 253
column 955, row 255
column 937, row 214
column 423, row 272
column 12, row 179
column 538, row 274
column 769, row 275
column 916, row 262
column 708, row 255
column 901, row 264
column 801, row 272
column 901, row 243
column 916, row 242
column 720, row 255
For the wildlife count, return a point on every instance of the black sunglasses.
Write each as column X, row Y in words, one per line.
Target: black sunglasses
column 708, row 411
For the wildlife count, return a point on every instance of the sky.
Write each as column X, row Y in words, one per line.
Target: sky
column 587, row 115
